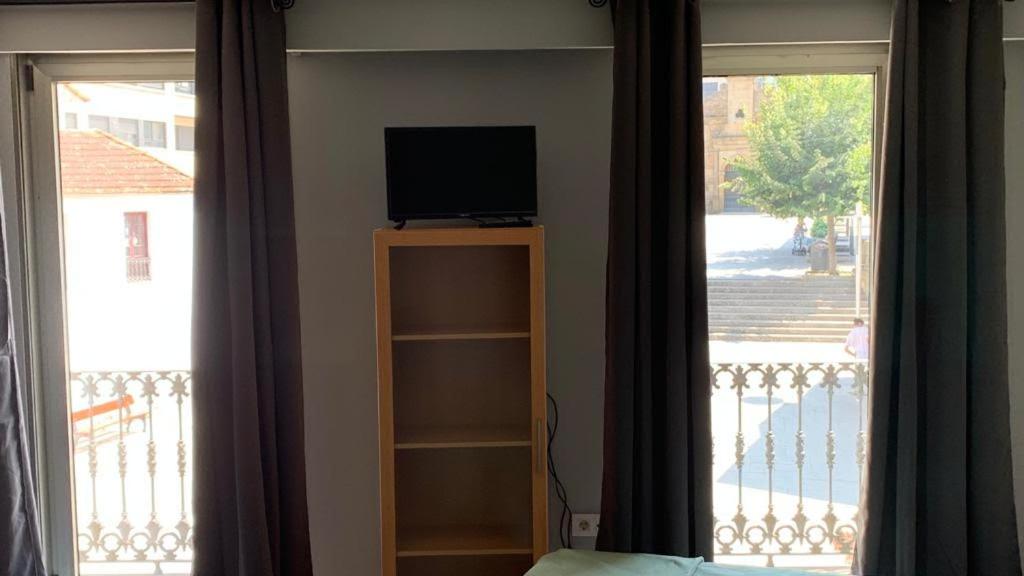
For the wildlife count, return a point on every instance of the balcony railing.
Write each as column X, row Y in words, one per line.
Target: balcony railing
column 132, row 435
column 789, row 449
column 789, row 441
column 138, row 269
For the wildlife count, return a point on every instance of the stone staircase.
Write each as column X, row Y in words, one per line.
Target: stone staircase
column 808, row 309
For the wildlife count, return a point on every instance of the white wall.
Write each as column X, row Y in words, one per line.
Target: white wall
column 114, row 323
column 340, row 104
column 97, row 27
column 446, row 25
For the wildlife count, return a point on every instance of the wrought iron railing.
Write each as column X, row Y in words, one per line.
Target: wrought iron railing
column 132, row 435
column 138, row 269
column 789, row 447
column 789, row 450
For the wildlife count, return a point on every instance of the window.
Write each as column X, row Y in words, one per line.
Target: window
column 118, row 470
column 136, row 234
column 147, row 133
column 126, row 129
column 185, row 87
column 788, row 279
column 185, row 137
column 99, row 123
column 71, row 121
column 154, row 134
column 150, row 85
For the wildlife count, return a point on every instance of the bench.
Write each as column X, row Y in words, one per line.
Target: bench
column 105, row 416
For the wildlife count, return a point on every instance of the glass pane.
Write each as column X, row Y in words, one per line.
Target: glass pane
column 126, row 129
column 788, row 180
column 99, row 123
column 185, row 137
column 154, row 134
column 127, row 230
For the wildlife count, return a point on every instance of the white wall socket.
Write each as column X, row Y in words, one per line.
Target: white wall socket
column 585, row 525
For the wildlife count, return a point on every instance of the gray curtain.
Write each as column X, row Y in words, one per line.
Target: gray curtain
column 21, row 551
column 656, row 494
column 939, row 493
column 250, row 483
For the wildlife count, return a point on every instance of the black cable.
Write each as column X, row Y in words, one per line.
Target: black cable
column 565, row 520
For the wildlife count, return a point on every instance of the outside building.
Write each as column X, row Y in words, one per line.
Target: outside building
column 729, row 105
column 125, row 153
column 158, row 117
column 124, row 211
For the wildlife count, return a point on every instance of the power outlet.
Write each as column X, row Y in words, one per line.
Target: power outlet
column 585, row 525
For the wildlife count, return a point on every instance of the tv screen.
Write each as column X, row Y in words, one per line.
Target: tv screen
column 460, row 172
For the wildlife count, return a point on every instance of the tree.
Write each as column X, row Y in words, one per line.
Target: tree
column 811, row 150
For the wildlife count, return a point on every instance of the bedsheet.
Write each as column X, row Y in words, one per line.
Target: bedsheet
column 589, row 563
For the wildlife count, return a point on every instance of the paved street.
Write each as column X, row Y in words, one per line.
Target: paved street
column 755, row 246
column 751, row 246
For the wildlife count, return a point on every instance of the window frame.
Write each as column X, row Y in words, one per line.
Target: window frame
column 147, row 139
column 31, row 191
column 139, row 220
column 802, row 59
column 179, row 129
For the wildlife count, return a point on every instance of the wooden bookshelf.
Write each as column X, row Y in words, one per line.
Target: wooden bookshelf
column 460, row 346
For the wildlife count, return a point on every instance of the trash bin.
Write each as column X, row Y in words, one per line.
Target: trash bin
column 819, row 256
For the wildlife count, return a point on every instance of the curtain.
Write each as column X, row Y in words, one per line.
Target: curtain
column 21, row 550
column 939, row 495
column 656, row 494
column 250, row 487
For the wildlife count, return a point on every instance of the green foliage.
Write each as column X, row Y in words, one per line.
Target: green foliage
column 819, row 229
column 811, row 147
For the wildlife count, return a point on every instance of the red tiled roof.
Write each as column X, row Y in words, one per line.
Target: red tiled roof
column 94, row 162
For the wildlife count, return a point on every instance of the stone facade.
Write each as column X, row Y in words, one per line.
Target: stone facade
column 729, row 103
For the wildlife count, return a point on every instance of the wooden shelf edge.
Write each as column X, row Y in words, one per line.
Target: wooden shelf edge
column 413, row 439
column 468, row 444
column 487, row 552
column 433, row 337
column 463, row 541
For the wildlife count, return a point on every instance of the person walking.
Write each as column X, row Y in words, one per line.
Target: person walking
column 858, row 341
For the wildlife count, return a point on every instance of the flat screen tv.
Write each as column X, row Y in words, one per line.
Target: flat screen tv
column 461, row 172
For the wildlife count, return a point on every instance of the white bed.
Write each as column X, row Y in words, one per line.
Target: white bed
column 589, row 563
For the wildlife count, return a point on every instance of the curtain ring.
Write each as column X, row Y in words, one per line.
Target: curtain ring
column 279, row 5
